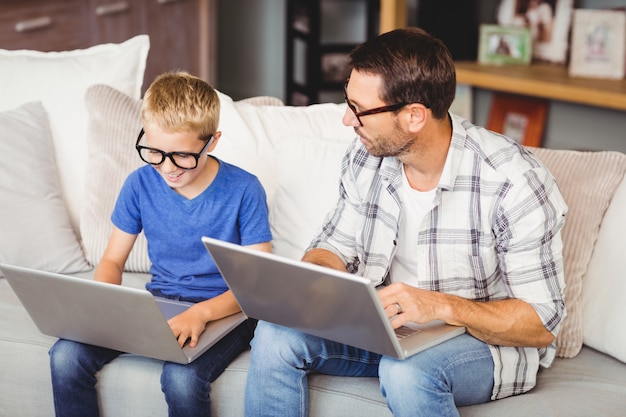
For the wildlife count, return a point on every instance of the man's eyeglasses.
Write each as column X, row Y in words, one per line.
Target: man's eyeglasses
column 359, row 114
column 183, row 160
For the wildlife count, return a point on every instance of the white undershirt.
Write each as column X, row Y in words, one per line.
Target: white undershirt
column 415, row 205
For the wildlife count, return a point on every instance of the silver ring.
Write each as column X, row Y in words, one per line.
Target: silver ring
column 399, row 307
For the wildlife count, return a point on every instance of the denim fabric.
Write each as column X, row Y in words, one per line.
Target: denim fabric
column 431, row 383
column 186, row 387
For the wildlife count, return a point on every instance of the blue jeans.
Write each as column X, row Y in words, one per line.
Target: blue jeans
column 186, row 387
column 431, row 383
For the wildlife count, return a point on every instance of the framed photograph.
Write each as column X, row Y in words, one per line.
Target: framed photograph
column 598, row 44
column 520, row 118
column 504, row 45
column 548, row 21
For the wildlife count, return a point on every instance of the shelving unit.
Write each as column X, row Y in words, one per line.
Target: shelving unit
column 315, row 67
column 546, row 81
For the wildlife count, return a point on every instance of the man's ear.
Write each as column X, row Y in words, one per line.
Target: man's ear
column 417, row 116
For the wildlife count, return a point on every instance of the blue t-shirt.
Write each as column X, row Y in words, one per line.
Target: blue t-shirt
column 233, row 208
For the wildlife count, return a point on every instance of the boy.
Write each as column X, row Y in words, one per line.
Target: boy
column 181, row 194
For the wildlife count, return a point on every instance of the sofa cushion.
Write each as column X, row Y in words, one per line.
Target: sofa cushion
column 604, row 285
column 301, row 201
column 113, row 125
column 34, row 223
column 59, row 80
column 588, row 181
column 305, row 146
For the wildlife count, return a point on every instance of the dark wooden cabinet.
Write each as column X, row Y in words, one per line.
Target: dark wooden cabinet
column 182, row 32
column 44, row 25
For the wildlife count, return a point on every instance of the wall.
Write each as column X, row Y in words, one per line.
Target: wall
column 251, row 45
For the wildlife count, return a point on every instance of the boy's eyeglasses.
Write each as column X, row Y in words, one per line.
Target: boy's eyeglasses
column 359, row 114
column 183, row 160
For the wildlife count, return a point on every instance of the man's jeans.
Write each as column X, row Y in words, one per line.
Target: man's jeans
column 186, row 387
column 434, row 382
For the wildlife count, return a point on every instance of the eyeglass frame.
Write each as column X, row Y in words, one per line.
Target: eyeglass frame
column 170, row 155
column 376, row 110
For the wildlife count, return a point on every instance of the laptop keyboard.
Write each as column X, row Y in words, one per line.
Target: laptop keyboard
column 405, row 331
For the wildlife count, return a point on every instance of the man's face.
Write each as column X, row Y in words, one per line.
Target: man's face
column 381, row 133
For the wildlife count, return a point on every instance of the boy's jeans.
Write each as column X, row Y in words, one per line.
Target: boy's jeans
column 186, row 387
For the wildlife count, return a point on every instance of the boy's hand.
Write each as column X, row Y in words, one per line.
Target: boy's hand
column 188, row 325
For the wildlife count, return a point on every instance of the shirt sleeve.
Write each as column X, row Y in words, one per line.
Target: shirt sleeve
column 528, row 233
column 253, row 216
column 126, row 214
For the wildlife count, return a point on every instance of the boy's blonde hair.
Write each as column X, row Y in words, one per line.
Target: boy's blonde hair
column 180, row 102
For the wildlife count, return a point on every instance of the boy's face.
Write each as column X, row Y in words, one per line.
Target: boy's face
column 180, row 142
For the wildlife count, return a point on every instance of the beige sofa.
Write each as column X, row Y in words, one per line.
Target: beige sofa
column 67, row 128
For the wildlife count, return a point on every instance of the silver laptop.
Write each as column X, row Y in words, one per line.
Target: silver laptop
column 320, row 301
column 117, row 317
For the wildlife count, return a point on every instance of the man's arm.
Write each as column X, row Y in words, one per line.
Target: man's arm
column 325, row 258
column 511, row 322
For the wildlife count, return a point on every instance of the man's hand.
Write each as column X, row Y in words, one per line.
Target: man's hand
column 510, row 322
column 404, row 303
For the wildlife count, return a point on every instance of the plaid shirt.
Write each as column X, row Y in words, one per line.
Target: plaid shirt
column 493, row 233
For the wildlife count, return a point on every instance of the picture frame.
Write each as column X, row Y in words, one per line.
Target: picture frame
column 549, row 22
column 500, row 45
column 598, row 44
column 520, row 118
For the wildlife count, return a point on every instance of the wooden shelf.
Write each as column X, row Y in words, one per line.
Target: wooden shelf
column 545, row 81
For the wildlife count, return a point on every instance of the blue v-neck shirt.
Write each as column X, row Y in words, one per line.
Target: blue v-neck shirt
column 233, row 208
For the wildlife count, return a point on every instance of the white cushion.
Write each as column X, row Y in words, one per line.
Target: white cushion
column 588, row 181
column 34, row 224
column 59, row 80
column 271, row 125
column 114, row 123
column 308, row 172
column 303, row 147
column 604, row 285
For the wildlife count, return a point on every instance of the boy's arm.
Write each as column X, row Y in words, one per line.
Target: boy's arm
column 191, row 323
column 115, row 255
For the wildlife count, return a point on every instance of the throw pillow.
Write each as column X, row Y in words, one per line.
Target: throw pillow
column 59, row 80
column 34, row 224
column 604, row 285
column 588, row 181
column 112, row 129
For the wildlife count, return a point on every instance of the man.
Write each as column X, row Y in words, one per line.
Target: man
column 461, row 225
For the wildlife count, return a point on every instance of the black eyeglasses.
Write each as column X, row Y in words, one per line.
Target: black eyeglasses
column 359, row 114
column 183, row 160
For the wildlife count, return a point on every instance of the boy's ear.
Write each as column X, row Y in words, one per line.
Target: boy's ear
column 213, row 141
